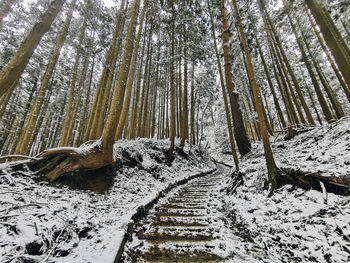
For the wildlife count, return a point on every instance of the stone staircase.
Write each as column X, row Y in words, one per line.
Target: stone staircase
column 183, row 227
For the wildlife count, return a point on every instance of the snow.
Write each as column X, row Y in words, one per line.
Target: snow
column 295, row 225
column 325, row 149
column 58, row 223
column 81, row 225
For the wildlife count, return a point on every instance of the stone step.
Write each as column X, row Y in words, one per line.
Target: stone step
column 178, row 221
column 188, row 200
column 188, row 195
column 179, row 228
column 183, row 206
column 180, row 214
column 162, row 238
column 182, row 230
column 185, row 211
column 168, row 255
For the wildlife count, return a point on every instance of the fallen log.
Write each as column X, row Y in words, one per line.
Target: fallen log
column 216, row 161
column 338, row 185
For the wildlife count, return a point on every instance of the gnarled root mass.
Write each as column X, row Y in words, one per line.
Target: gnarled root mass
column 56, row 162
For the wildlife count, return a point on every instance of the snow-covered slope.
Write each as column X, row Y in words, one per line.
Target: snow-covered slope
column 296, row 225
column 40, row 222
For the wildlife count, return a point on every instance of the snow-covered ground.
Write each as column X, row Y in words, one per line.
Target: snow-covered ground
column 295, row 225
column 40, row 222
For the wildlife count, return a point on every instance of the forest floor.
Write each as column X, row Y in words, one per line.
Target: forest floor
column 86, row 221
column 294, row 224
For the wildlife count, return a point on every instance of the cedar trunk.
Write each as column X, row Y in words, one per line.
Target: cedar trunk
column 14, row 69
column 241, row 135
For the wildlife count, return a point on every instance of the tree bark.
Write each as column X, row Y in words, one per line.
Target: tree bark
column 65, row 130
column 334, row 40
column 273, row 92
column 29, row 126
column 14, row 69
column 193, row 105
column 227, row 109
column 144, row 87
column 241, row 135
column 270, row 162
column 329, row 57
column 108, row 91
column 126, row 104
column 276, row 39
column 112, row 119
column 95, row 114
column 172, row 88
column 86, row 56
column 136, row 99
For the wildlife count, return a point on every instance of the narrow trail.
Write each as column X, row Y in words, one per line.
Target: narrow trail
column 183, row 227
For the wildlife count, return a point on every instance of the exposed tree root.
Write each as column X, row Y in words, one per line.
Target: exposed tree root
column 316, row 180
column 56, row 162
column 17, row 156
column 237, row 182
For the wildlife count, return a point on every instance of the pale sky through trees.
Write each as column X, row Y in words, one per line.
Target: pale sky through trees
column 108, row 3
column 112, row 3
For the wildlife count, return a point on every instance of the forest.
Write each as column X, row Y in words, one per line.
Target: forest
column 174, row 131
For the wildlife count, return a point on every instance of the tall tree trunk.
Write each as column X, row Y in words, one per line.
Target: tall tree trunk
column 85, row 116
column 274, row 95
column 185, row 95
column 285, row 60
column 330, row 58
column 25, row 116
column 285, row 68
column 136, row 99
column 178, row 96
column 126, row 104
column 334, row 40
column 313, row 102
column 331, row 95
column 172, row 87
column 111, row 56
column 285, row 98
column 241, row 135
column 70, row 137
column 65, row 130
column 111, row 79
column 270, row 162
column 324, row 106
column 193, row 102
column 38, row 126
column 4, row 100
column 144, row 116
column 269, row 129
column 112, row 118
column 282, row 85
column 222, row 81
column 14, row 69
column 335, row 103
column 155, row 95
column 167, row 124
column 144, row 86
column 28, row 130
